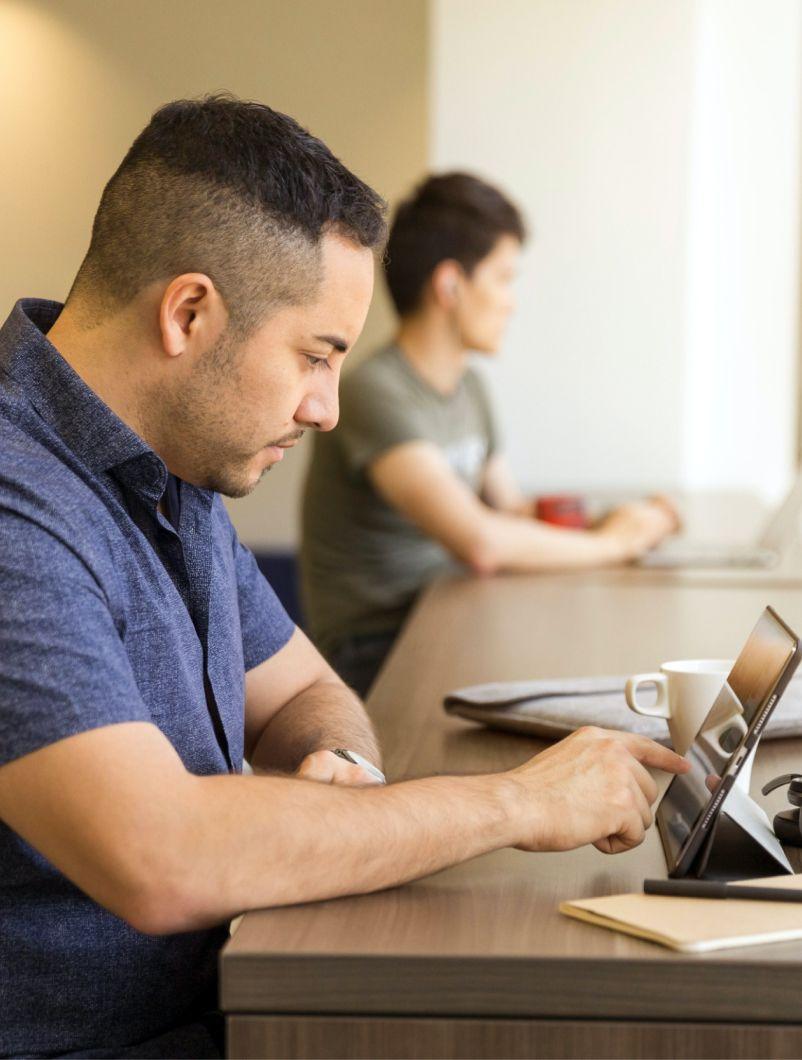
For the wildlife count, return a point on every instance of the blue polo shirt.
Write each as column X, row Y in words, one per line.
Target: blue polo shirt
column 108, row 613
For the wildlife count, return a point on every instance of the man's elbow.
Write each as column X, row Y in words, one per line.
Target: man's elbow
column 164, row 906
column 157, row 916
column 155, row 884
column 481, row 555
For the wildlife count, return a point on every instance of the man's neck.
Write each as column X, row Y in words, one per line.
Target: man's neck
column 93, row 355
column 433, row 349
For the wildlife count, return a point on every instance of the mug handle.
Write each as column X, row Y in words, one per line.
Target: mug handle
column 658, row 709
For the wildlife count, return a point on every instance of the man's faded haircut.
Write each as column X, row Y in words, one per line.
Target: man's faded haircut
column 231, row 189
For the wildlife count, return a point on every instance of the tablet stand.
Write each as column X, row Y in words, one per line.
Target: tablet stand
column 741, row 843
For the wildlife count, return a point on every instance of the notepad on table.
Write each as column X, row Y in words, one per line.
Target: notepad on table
column 696, row 925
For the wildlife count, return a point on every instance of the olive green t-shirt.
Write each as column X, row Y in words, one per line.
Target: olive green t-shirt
column 362, row 562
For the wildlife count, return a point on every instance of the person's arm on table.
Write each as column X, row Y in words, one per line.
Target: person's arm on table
column 116, row 811
column 501, row 491
column 297, row 710
column 416, row 479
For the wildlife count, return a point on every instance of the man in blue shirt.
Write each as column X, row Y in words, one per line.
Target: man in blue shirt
column 143, row 657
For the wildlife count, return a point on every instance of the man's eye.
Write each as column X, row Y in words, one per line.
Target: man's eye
column 315, row 362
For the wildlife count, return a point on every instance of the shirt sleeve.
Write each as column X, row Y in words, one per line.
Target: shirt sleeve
column 375, row 416
column 63, row 665
column 266, row 626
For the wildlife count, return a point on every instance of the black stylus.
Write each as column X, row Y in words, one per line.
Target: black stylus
column 716, row 889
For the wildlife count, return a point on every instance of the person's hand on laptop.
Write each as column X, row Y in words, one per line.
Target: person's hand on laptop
column 640, row 525
column 593, row 787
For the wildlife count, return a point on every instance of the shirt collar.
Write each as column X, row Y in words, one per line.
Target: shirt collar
column 95, row 434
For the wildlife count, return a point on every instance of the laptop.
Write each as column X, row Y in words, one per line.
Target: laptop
column 779, row 533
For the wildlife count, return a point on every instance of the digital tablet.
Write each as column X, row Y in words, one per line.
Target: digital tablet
column 758, row 678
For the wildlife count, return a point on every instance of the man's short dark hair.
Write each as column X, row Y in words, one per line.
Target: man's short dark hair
column 231, row 189
column 454, row 216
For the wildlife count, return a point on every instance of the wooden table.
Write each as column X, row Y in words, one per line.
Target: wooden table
column 476, row 961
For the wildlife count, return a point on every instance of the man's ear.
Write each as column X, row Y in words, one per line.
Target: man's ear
column 445, row 283
column 191, row 313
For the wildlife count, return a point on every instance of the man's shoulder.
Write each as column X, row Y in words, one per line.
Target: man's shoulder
column 38, row 488
column 379, row 389
column 26, row 460
column 380, row 372
column 475, row 382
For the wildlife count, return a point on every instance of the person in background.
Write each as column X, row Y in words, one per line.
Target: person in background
column 414, row 481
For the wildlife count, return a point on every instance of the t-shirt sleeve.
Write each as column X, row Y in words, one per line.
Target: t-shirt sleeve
column 375, row 416
column 63, row 666
column 266, row 626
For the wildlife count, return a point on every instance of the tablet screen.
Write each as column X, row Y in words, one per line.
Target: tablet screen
column 748, row 688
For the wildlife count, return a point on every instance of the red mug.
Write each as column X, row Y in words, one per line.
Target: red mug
column 562, row 509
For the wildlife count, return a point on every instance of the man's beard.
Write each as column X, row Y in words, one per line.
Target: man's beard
column 231, row 481
column 201, row 418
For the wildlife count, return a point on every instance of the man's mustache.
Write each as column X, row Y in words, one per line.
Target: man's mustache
column 287, row 439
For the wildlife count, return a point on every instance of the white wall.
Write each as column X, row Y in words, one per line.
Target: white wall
column 742, row 291
column 602, row 117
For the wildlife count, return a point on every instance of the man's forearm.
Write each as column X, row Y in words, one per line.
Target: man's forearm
column 514, row 543
column 325, row 716
column 271, row 841
column 170, row 851
column 627, row 532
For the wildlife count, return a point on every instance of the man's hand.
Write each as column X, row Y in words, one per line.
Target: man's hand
column 592, row 787
column 328, row 768
column 640, row 525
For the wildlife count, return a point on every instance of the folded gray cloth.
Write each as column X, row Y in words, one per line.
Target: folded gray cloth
column 553, row 709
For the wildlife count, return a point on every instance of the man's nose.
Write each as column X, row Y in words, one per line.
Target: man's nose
column 320, row 409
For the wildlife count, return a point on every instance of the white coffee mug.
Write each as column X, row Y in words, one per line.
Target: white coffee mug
column 685, row 692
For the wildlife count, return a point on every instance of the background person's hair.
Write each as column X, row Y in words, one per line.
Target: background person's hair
column 231, row 189
column 454, row 216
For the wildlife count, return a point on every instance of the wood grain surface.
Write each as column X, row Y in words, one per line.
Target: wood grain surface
column 467, row 1039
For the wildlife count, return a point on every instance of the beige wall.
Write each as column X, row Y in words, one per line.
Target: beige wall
column 79, row 79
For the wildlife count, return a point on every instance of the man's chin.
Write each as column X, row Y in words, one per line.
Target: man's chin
column 237, row 479
column 235, row 485
column 242, row 489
